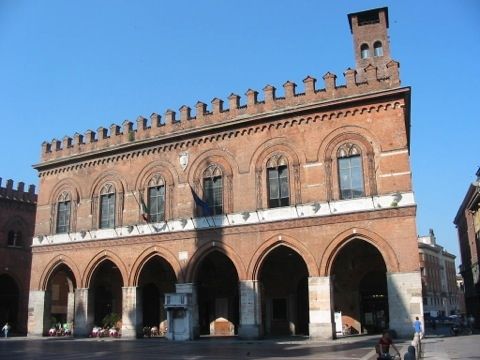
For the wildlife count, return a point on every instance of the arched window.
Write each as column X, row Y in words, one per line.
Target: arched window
column 14, row 238
column 213, row 189
column 350, row 172
column 156, row 200
column 377, row 49
column 63, row 213
column 107, row 207
column 364, row 51
column 278, row 185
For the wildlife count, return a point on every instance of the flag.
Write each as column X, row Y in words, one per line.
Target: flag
column 206, row 211
column 144, row 209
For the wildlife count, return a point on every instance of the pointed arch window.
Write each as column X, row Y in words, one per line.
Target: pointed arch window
column 14, row 238
column 156, row 199
column 63, row 213
column 213, row 188
column 377, row 49
column 107, row 207
column 278, row 184
column 350, row 172
column 364, row 51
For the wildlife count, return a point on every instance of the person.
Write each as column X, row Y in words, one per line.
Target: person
column 5, row 329
column 383, row 346
column 417, row 326
column 471, row 321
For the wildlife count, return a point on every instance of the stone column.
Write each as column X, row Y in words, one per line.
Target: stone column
column 250, row 309
column 83, row 312
column 190, row 288
column 320, row 307
column 37, row 321
column 404, row 301
column 132, row 315
column 70, row 307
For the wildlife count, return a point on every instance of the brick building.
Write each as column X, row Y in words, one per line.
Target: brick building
column 439, row 278
column 467, row 222
column 305, row 209
column 17, row 220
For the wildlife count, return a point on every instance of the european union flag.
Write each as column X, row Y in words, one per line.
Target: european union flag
column 199, row 203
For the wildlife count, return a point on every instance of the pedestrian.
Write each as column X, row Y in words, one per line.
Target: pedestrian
column 5, row 329
column 383, row 346
column 417, row 326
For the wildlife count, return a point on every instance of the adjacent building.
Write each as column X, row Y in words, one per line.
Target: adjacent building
column 270, row 216
column 467, row 222
column 17, row 220
column 439, row 278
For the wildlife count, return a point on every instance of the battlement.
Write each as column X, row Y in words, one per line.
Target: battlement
column 19, row 194
column 145, row 128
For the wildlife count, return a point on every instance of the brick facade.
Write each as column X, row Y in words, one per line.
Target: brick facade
column 17, row 220
column 251, row 244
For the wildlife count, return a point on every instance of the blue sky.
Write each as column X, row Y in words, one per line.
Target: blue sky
column 69, row 66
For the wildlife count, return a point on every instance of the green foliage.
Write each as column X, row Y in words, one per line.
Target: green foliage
column 110, row 320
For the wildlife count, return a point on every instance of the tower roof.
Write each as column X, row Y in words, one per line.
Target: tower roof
column 368, row 14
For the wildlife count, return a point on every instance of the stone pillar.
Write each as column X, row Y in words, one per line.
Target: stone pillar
column 320, row 307
column 404, row 301
column 37, row 321
column 190, row 288
column 83, row 312
column 70, row 307
column 250, row 309
column 132, row 320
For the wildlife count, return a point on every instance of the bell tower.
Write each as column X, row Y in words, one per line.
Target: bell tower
column 370, row 40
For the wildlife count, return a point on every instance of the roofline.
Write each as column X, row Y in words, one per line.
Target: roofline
column 403, row 92
column 472, row 195
column 385, row 9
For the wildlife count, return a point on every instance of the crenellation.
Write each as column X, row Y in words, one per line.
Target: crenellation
column 217, row 106
column 372, row 79
column 289, row 88
column 20, row 186
column 19, row 194
column 309, row 85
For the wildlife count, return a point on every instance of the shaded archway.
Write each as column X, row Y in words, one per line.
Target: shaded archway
column 157, row 277
column 284, row 278
column 360, row 287
column 60, row 297
column 106, row 285
column 9, row 300
column 218, row 298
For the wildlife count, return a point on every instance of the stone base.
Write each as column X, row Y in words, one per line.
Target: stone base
column 320, row 331
column 249, row 332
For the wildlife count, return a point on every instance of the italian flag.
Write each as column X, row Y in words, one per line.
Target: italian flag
column 144, row 209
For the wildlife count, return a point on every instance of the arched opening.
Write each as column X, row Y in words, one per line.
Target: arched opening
column 156, row 279
column 360, row 288
column 106, row 286
column 284, row 279
column 377, row 49
column 9, row 299
column 218, row 298
column 364, row 51
column 60, row 306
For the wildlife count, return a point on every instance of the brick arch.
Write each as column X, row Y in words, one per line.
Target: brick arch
column 274, row 242
column 149, row 254
column 164, row 168
column 258, row 163
column 227, row 164
column 51, row 267
column 69, row 185
column 206, row 249
column 97, row 260
column 109, row 176
column 368, row 145
column 342, row 239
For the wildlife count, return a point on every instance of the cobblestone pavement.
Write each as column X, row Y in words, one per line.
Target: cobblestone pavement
column 452, row 347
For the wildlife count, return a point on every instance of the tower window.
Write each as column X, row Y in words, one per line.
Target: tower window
column 364, row 51
column 377, row 49
column 368, row 17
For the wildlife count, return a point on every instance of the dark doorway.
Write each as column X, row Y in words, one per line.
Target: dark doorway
column 9, row 299
column 218, row 299
column 360, row 288
column 156, row 279
column 107, row 293
column 284, row 278
column 60, row 295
